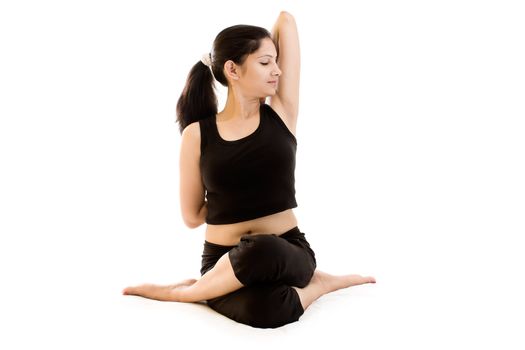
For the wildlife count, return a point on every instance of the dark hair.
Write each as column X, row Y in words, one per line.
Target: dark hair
column 198, row 100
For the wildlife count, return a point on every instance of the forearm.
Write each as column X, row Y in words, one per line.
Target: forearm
column 201, row 217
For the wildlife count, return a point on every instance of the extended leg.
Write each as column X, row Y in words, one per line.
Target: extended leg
column 158, row 292
column 323, row 283
column 220, row 280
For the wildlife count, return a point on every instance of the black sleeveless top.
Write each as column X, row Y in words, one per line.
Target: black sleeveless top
column 251, row 177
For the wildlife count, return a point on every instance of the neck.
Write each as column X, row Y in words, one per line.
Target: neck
column 240, row 107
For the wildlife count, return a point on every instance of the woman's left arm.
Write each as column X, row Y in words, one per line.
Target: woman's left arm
column 286, row 39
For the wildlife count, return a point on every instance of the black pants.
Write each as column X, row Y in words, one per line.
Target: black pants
column 268, row 266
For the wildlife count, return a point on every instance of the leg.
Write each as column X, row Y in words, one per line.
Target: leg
column 218, row 281
column 261, row 258
column 257, row 259
column 323, row 283
column 267, row 265
column 157, row 292
column 262, row 306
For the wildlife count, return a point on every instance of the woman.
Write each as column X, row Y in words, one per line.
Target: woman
column 237, row 176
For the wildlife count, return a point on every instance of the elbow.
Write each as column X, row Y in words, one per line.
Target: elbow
column 192, row 222
column 195, row 219
column 286, row 16
column 192, row 225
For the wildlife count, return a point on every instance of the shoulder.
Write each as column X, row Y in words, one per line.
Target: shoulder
column 192, row 132
column 191, row 137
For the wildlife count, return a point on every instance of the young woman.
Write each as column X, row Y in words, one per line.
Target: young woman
column 237, row 176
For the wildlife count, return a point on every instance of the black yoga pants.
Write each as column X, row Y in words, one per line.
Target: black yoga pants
column 268, row 266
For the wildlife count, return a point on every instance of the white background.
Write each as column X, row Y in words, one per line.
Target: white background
column 410, row 167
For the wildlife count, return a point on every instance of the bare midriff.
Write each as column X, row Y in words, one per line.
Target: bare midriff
column 230, row 234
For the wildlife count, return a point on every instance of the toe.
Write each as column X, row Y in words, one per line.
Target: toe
column 128, row 291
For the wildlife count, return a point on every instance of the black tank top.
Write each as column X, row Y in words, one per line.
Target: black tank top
column 251, row 177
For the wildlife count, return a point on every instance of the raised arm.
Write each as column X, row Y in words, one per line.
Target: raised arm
column 286, row 39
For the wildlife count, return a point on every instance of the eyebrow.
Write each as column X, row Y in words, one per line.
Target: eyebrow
column 266, row 55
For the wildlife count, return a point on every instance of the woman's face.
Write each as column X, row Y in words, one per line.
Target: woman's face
column 259, row 75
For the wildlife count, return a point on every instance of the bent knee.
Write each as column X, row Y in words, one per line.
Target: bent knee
column 275, row 309
column 255, row 249
column 257, row 257
column 263, row 306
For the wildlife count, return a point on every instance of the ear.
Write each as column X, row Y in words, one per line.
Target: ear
column 231, row 70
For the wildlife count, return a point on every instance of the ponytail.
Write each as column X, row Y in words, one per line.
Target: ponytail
column 198, row 99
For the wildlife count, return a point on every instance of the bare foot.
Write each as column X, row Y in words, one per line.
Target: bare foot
column 323, row 283
column 332, row 283
column 159, row 292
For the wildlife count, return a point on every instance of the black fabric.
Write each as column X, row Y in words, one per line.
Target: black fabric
column 250, row 177
column 268, row 266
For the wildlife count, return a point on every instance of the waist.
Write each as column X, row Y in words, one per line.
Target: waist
column 230, row 234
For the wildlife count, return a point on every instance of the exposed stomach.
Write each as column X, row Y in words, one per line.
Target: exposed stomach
column 230, row 234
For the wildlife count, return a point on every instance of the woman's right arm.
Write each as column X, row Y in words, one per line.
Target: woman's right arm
column 192, row 202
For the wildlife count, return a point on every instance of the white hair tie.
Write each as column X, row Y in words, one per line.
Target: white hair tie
column 206, row 59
